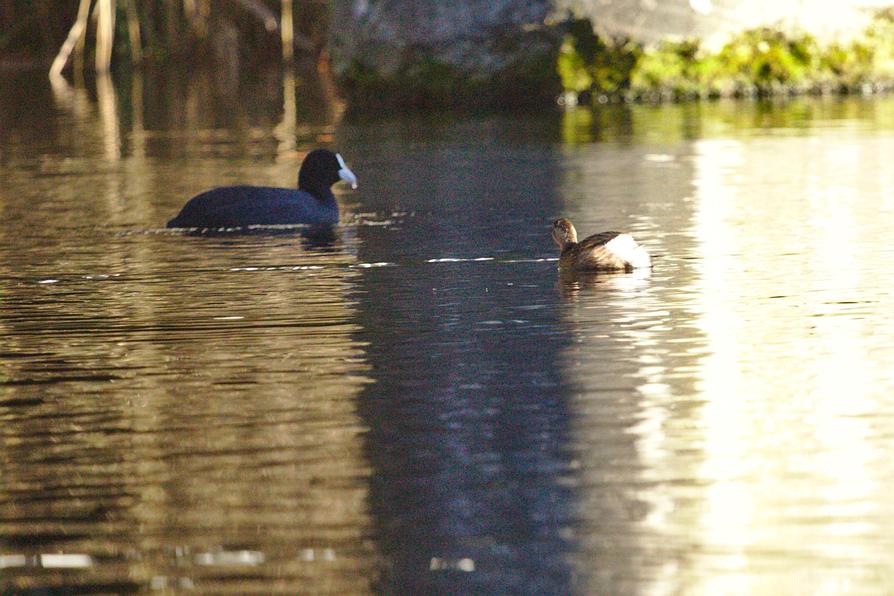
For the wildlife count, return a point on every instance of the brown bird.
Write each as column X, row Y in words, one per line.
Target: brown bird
column 605, row 251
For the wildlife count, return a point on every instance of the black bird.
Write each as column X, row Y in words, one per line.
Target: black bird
column 240, row 206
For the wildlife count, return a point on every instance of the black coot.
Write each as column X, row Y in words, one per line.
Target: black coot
column 240, row 206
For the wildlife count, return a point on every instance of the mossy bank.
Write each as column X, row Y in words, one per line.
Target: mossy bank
column 533, row 64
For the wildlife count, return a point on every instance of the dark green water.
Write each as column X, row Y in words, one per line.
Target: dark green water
column 420, row 404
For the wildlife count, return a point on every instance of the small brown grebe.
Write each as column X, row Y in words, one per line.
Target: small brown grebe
column 605, row 251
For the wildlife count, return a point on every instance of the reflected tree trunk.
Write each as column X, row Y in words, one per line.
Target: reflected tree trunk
column 285, row 131
column 109, row 118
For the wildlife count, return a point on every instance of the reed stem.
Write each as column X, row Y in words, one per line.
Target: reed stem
column 133, row 31
column 287, row 30
column 76, row 33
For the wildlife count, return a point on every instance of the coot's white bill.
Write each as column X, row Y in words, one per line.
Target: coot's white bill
column 345, row 172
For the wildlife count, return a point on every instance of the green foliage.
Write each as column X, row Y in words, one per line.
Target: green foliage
column 761, row 61
column 572, row 68
column 587, row 62
column 765, row 57
column 879, row 38
column 848, row 65
column 678, row 68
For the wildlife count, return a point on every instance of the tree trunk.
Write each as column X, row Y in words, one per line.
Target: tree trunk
column 76, row 33
column 105, row 35
column 133, row 32
column 287, row 29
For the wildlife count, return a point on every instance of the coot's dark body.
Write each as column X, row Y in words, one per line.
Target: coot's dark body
column 241, row 206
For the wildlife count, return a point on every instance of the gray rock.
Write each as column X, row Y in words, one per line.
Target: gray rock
column 466, row 34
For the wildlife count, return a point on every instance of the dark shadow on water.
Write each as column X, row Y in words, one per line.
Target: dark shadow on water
column 467, row 415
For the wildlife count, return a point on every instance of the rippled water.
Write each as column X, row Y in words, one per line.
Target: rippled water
column 420, row 403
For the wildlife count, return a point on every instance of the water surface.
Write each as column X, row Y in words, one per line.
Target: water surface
column 420, row 403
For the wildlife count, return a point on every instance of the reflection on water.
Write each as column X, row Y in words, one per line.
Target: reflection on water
column 467, row 421
column 801, row 340
column 142, row 424
column 757, row 359
column 420, row 403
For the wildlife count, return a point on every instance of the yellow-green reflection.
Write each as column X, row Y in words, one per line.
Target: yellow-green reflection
column 296, row 443
column 246, row 473
column 673, row 123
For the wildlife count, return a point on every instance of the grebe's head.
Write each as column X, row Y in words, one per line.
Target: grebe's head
column 564, row 233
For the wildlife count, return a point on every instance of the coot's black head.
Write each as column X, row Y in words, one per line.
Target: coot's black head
column 321, row 169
